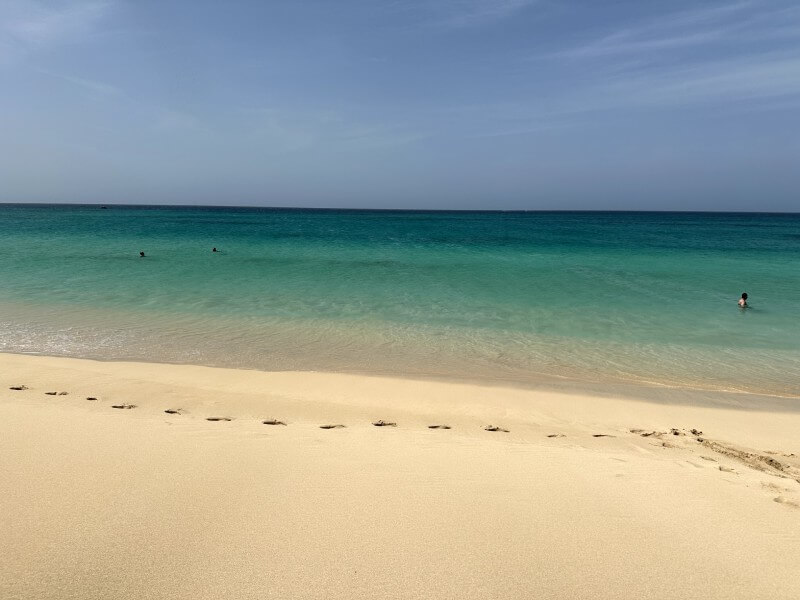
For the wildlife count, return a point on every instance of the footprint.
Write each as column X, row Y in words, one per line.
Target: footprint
column 124, row 406
column 273, row 422
column 726, row 469
column 218, row 419
column 495, row 428
column 173, row 411
column 18, row 388
column 384, row 424
column 649, row 433
column 786, row 501
column 602, row 435
column 767, row 485
column 50, row 393
column 56, row 393
column 92, row 398
column 754, row 460
column 556, row 435
column 63, row 393
column 438, row 426
column 337, row 426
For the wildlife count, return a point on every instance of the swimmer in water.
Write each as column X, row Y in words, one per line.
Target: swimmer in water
column 214, row 249
column 743, row 301
column 141, row 254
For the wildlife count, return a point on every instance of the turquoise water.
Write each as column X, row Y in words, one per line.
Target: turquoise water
column 520, row 297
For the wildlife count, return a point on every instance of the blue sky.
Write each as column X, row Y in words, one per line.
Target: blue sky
column 574, row 104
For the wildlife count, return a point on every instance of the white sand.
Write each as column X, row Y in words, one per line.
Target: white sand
column 104, row 503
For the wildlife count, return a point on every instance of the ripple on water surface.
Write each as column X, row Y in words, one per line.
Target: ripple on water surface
column 516, row 296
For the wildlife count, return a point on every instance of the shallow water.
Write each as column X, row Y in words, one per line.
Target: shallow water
column 517, row 297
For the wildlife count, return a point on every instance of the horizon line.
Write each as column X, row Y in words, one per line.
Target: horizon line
column 431, row 210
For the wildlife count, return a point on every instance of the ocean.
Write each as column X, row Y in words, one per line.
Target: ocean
column 524, row 298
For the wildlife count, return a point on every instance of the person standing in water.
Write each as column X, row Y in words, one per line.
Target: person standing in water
column 743, row 301
column 141, row 254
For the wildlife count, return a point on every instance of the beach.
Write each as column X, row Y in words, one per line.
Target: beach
column 399, row 300
column 583, row 496
column 399, row 404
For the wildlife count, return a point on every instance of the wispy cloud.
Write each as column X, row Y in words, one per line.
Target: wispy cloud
column 729, row 81
column 739, row 21
column 459, row 14
column 763, row 82
column 27, row 25
column 733, row 53
column 99, row 88
column 471, row 13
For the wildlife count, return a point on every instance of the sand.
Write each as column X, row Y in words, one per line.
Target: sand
column 116, row 503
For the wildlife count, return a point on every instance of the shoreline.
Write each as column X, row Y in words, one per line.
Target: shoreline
column 93, row 333
column 403, row 393
column 101, row 502
column 640, row 390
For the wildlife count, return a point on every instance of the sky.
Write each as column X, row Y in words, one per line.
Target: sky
column 452, row 104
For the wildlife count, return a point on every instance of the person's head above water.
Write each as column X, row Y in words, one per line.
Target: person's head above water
column 141, row 254
column 743, row 300
column 214, row 249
